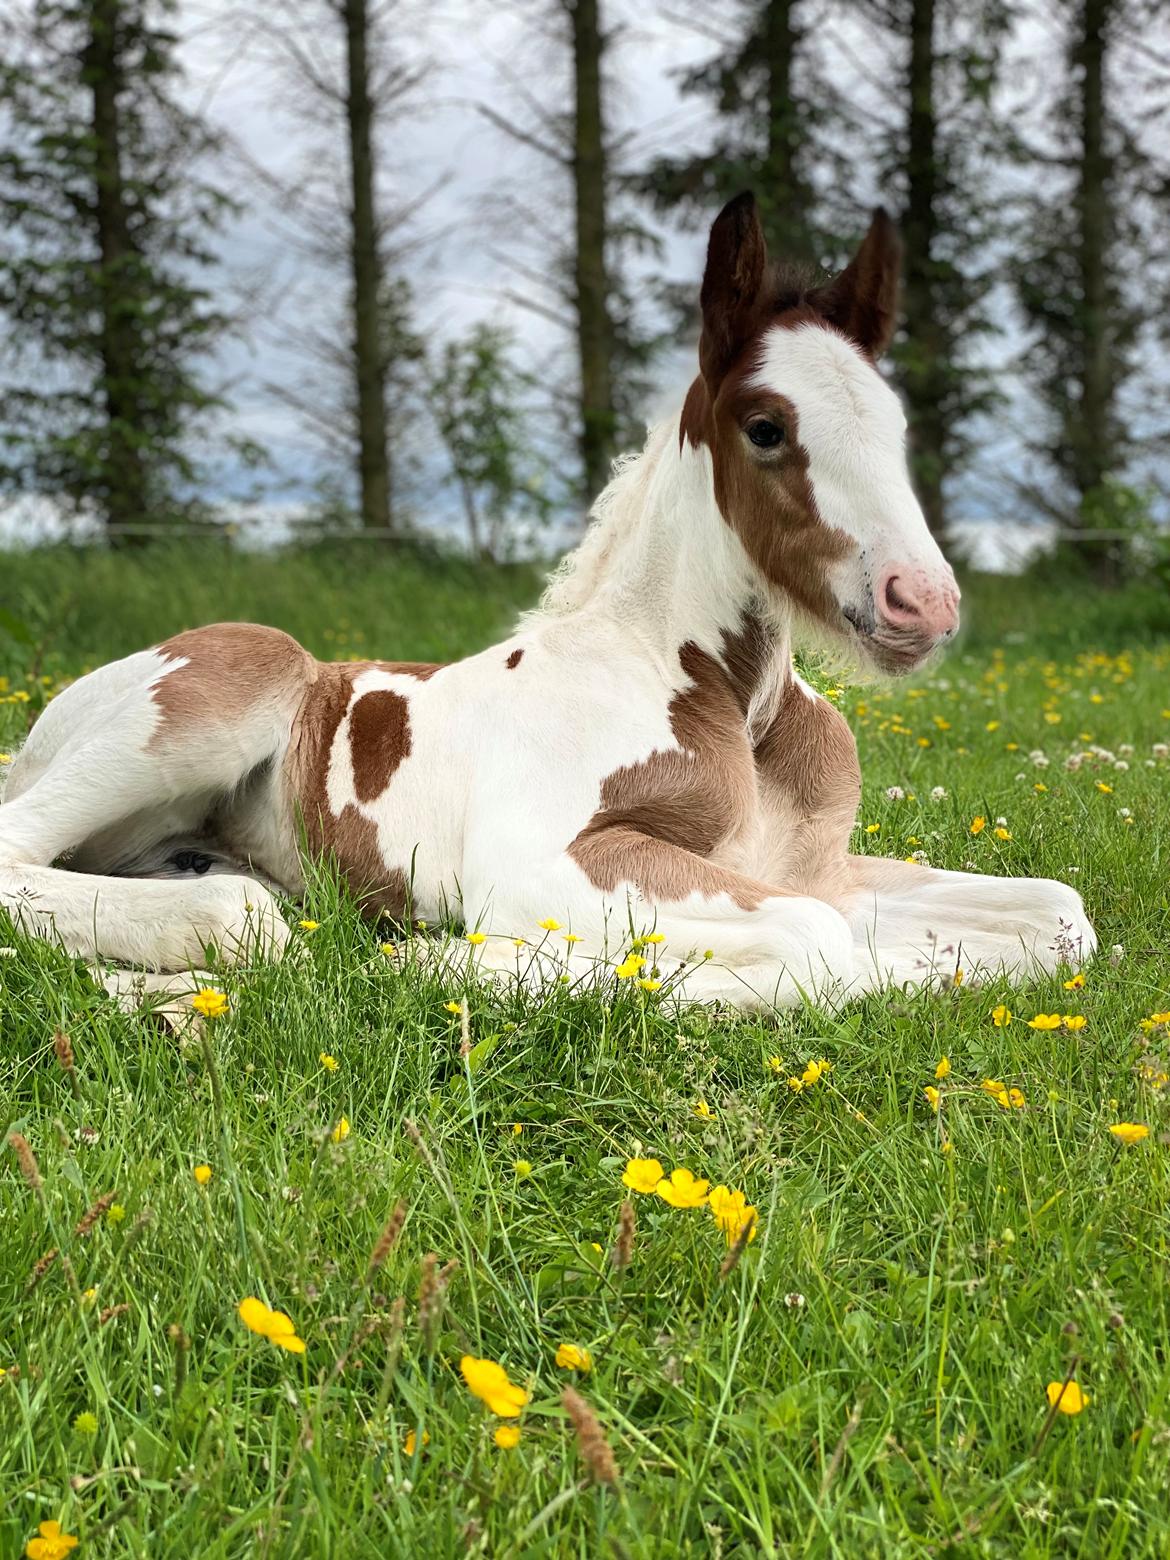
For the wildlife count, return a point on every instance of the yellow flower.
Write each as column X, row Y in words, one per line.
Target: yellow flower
column 308, row 926
column 943, row 1070
column 211, row 1003
column 411, row 1442
column 682, row 1190
column 958, row 978
column 389, row 950
column 88, row 1298
column 202, row 1174
column 328, row 1062
column 1105, row 790
column 1075, row 984
column 453, row 1007
column 655, row 937
column 642, row 1175
column 650, row 985
column 549, row 924
column 1067, row 1396
column 776, row 1064
column 1073, row 1020
column 731, row 1212
column 1040, row 786
column 1045, row 1021
column 628, row 967
column 51, row 1544
column 115, row 1213
column 1001, row 1016
column 517, row 1128
column 523, row 1169
column 814, row 1072
column 489, row 1382
column 701, row 1108
column 978, row 825
column 475, row 938
column 341, row 1130
column 1002, row 834
column 1129, row 1132
column 946, row 1147
column 570, row 1357
column 507, row 1437
column 873, row 828
column 932, row 1096
column 86, row 1423
column 273, row 1325
column 571, row 937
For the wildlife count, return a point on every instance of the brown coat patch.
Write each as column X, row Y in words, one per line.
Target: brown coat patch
column 807, row 762
column 231, row 669
column 379, row 740
column 769, row 504
column 659, row 818
column 513, row 660
column 350, row 838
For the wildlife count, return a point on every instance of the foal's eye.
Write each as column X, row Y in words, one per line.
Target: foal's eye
column 765, row 435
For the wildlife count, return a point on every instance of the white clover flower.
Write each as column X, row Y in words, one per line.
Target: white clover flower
column 1121, row 764
column 938, row 793
column 895, row 793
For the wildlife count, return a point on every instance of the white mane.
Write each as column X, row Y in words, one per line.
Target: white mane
column 611, row 528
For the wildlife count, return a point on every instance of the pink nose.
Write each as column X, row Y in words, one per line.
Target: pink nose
column 911, row 598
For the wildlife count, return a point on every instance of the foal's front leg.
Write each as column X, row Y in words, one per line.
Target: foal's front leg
column 921, row 924
column 720, row 935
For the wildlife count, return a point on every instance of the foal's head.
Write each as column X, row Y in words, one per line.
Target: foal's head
column 807, row 442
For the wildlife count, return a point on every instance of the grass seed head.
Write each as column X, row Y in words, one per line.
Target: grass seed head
column 623, row 1251
column 42, row 1266
column 95, row 1212
column 591, row 1442
column 386, row 1240
column 27, row 1161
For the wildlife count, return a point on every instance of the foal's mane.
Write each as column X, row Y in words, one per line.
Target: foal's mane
column 612, row 522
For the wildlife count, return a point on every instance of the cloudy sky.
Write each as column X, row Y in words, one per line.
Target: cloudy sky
column 468, row 260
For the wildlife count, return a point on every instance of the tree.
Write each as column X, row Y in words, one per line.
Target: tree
column 477, row 396
column 352, row 80
column 773, row 104
column 934, row 136
column 579, row 281
column 1086, row 281
column 109, row 229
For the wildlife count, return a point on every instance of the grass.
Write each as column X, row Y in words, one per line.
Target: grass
column 869, row 1378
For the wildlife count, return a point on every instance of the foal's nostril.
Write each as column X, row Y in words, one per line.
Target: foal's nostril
column 897, row 607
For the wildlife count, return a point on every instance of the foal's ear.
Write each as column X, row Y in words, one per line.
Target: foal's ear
column 863, row 301
column 737, row 257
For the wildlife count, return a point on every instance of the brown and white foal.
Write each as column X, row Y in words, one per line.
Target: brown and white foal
column 638, row 756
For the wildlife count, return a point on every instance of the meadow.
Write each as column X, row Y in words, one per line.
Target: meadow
column 415, row 1170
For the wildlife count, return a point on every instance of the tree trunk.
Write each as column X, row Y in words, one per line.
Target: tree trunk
column 125, row 484
column 925, row 359
column 784, row 200
column 369, row 358
column 595, row 332
column 1090, row 429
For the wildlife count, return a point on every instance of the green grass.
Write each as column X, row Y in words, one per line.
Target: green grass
column 868, row 1380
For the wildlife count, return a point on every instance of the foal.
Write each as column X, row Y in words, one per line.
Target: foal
column 639, row 756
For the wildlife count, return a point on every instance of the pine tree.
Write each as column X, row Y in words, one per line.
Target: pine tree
column 352, row 77
column 108, row 227
column 579, row 279
column 1087, row 279
column 773, row 105
column 933, row 142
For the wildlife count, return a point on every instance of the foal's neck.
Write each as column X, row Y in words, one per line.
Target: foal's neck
column 679, row 574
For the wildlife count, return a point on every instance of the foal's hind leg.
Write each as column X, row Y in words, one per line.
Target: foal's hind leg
column 95, row 769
